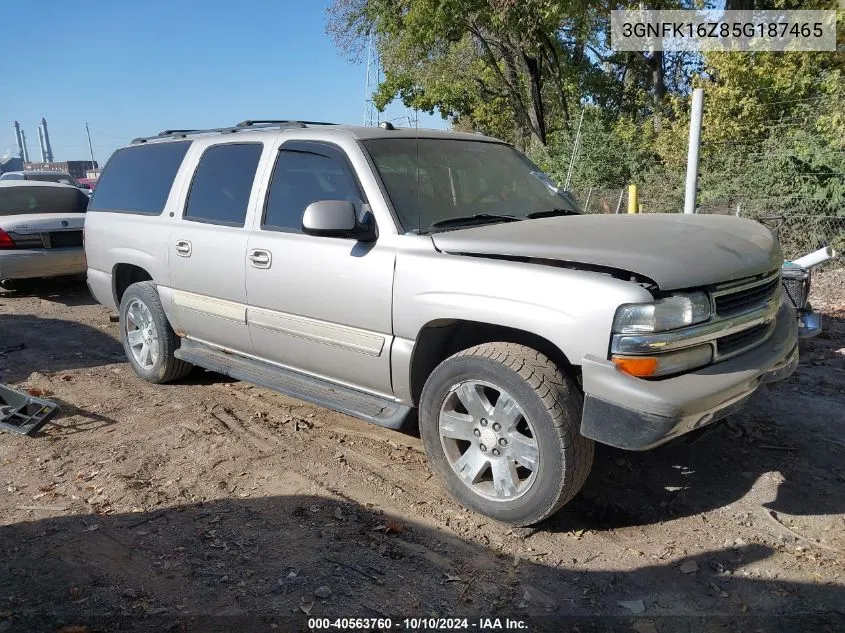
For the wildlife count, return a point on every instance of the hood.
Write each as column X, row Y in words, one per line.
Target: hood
column 27, row 223
column 674, row 250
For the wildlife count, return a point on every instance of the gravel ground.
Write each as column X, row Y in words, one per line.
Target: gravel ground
column 214, row 505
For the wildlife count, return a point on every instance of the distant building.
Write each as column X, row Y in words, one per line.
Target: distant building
column 93, row 174
column 76, row 168
column 11, row 164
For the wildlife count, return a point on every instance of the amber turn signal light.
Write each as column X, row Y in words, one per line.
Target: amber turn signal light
column 641, row 366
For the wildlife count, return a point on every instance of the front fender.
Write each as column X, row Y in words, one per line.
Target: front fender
column 572, row 309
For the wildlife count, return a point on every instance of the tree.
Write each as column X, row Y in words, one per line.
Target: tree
column 459, row 56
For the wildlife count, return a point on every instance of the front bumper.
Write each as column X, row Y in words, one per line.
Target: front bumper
column 637, row 414
column 45, row 262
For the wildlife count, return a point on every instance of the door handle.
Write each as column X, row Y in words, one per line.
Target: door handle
column 183, row 248
column 260, row 258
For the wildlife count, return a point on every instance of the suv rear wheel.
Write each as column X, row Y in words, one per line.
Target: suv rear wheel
column 500, row 425
column 148, row 339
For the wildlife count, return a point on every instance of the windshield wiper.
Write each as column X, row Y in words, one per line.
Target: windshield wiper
column 478, row 218
column 548, row 213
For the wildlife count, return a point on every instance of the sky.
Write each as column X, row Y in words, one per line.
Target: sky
column 133, row 69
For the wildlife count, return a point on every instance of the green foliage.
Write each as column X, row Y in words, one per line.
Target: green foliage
column 773, row 140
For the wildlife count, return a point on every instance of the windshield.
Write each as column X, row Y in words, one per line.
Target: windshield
column 64, row 179
column 434, row 183
column 23, row 200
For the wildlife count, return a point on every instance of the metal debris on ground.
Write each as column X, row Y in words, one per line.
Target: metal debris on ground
column 23, row 413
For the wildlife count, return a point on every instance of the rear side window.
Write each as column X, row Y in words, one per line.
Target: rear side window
column 302, row 177
column 138, row 179
column 222, row 184
column 62, row 179
column 33, row 199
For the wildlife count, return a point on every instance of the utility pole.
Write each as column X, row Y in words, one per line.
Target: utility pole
column 694, row 146
column 91, row 148
column 574, row 151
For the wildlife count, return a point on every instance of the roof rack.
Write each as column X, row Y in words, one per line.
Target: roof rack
column 280, row 122
column 243, row 126
column 182, row 134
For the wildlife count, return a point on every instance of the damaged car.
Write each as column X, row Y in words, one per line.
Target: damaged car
column 439, row 279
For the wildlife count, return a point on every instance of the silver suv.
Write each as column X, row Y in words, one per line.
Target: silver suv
column 408, row 275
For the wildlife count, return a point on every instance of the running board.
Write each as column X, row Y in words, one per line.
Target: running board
column 358, row 404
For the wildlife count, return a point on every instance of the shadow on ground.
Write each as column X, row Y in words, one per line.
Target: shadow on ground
column 256, row 565
column 709, row 471
column 52, row 345
column 87, row 422
column 68, row 291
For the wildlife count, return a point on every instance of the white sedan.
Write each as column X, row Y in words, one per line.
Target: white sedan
column 41, row 227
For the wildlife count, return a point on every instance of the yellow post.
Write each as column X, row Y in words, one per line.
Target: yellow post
column 633, row 204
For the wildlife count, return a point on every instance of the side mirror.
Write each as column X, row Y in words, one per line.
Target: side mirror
column 85, row 185
column 336, row 218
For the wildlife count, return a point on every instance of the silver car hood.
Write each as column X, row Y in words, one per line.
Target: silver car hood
column 674, row 250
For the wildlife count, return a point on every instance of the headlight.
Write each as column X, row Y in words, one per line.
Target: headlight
column 666, row 314
column 665, row 364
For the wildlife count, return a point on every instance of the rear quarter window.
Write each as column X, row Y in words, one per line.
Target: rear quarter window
column 138, row 179
column 30, row 199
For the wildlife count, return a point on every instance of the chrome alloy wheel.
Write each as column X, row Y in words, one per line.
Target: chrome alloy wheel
column 488, row 440
column 142, row 334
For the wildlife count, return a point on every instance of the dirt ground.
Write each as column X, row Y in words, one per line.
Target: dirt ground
column 212, row 505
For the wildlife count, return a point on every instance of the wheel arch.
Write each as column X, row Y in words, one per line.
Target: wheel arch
column 441, row 338
column 124, row 275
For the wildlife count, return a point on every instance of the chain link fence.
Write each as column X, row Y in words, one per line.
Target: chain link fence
column 784, row 168
column 802, row 234
column 799, row 232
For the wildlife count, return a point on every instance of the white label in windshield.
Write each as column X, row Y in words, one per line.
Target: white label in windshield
column 546, row 180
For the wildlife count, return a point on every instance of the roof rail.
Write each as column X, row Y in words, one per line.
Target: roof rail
column 280, row 122
column 182, row 134
column 243, row 126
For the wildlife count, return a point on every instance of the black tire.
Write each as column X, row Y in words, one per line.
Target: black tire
column 551, row 402
column 166, row 367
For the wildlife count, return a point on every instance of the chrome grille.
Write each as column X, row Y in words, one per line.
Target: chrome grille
column 740, row 298
column 738, row 342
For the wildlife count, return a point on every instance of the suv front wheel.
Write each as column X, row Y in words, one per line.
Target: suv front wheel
column 500, row 425
column 148, row 339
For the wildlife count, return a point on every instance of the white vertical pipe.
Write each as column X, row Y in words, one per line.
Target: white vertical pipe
column 694, row 146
